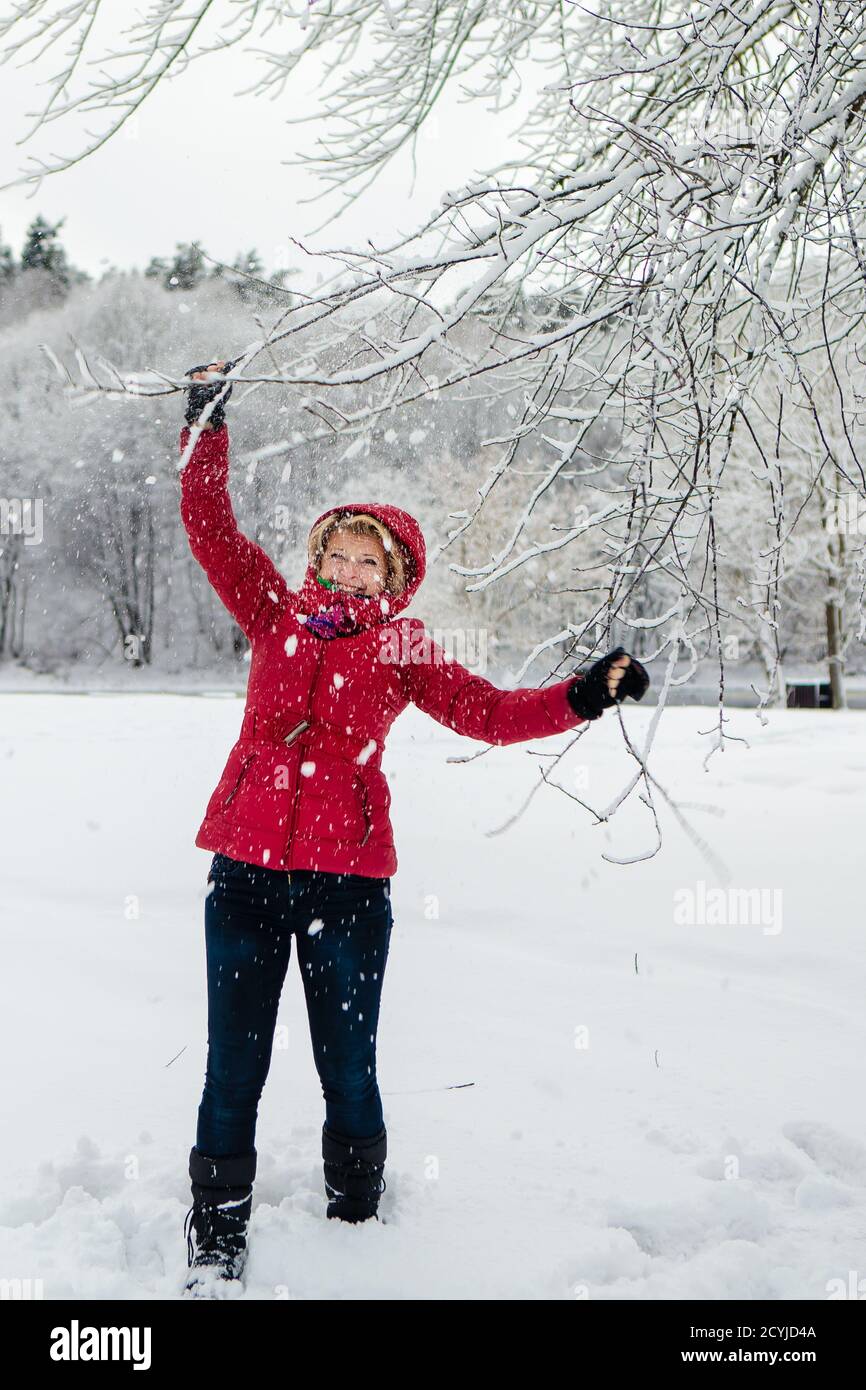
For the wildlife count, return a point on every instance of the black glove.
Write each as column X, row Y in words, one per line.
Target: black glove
column 201, row 392
column 589, row 696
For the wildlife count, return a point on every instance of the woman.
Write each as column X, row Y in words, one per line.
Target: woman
column 299, row 822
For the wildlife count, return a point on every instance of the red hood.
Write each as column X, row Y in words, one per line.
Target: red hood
column 401, row 525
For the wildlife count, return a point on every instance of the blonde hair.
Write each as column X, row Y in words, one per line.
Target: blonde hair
column 397, row 557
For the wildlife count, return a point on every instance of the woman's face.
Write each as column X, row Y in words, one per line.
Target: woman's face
column 355, row 564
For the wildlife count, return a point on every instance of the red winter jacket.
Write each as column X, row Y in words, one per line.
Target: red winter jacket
column 303, row 786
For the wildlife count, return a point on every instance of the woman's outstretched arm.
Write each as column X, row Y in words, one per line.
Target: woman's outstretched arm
column 472, row 705
column 246, row 579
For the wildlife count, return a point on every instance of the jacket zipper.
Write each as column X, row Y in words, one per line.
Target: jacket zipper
column 290, row 738
column 298, row 730
column 367, row 818
column 240, row 777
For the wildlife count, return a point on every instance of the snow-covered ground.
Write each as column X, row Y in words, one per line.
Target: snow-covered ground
column 659, row 1110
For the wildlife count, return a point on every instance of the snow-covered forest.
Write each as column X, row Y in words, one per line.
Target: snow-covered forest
column 111, row 554
column 617, row 371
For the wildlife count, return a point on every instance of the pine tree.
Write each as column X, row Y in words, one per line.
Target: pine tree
column 249, row 264
column 7, row 264
column 42, row 251
column 187, row 269
column 183, row 271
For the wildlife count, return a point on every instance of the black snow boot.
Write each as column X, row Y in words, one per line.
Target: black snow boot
column 353, row 1174
column 222, row 1199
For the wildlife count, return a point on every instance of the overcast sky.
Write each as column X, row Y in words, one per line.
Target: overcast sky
column 145, row 191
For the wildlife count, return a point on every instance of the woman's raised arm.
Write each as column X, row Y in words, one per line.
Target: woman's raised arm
column 246, row 579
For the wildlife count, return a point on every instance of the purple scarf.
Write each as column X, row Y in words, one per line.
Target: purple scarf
column 346, row 615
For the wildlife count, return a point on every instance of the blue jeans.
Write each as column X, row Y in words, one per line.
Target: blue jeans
column 342, row 924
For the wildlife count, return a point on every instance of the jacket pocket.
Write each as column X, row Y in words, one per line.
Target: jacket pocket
column 365, row 807
column 250, row 758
